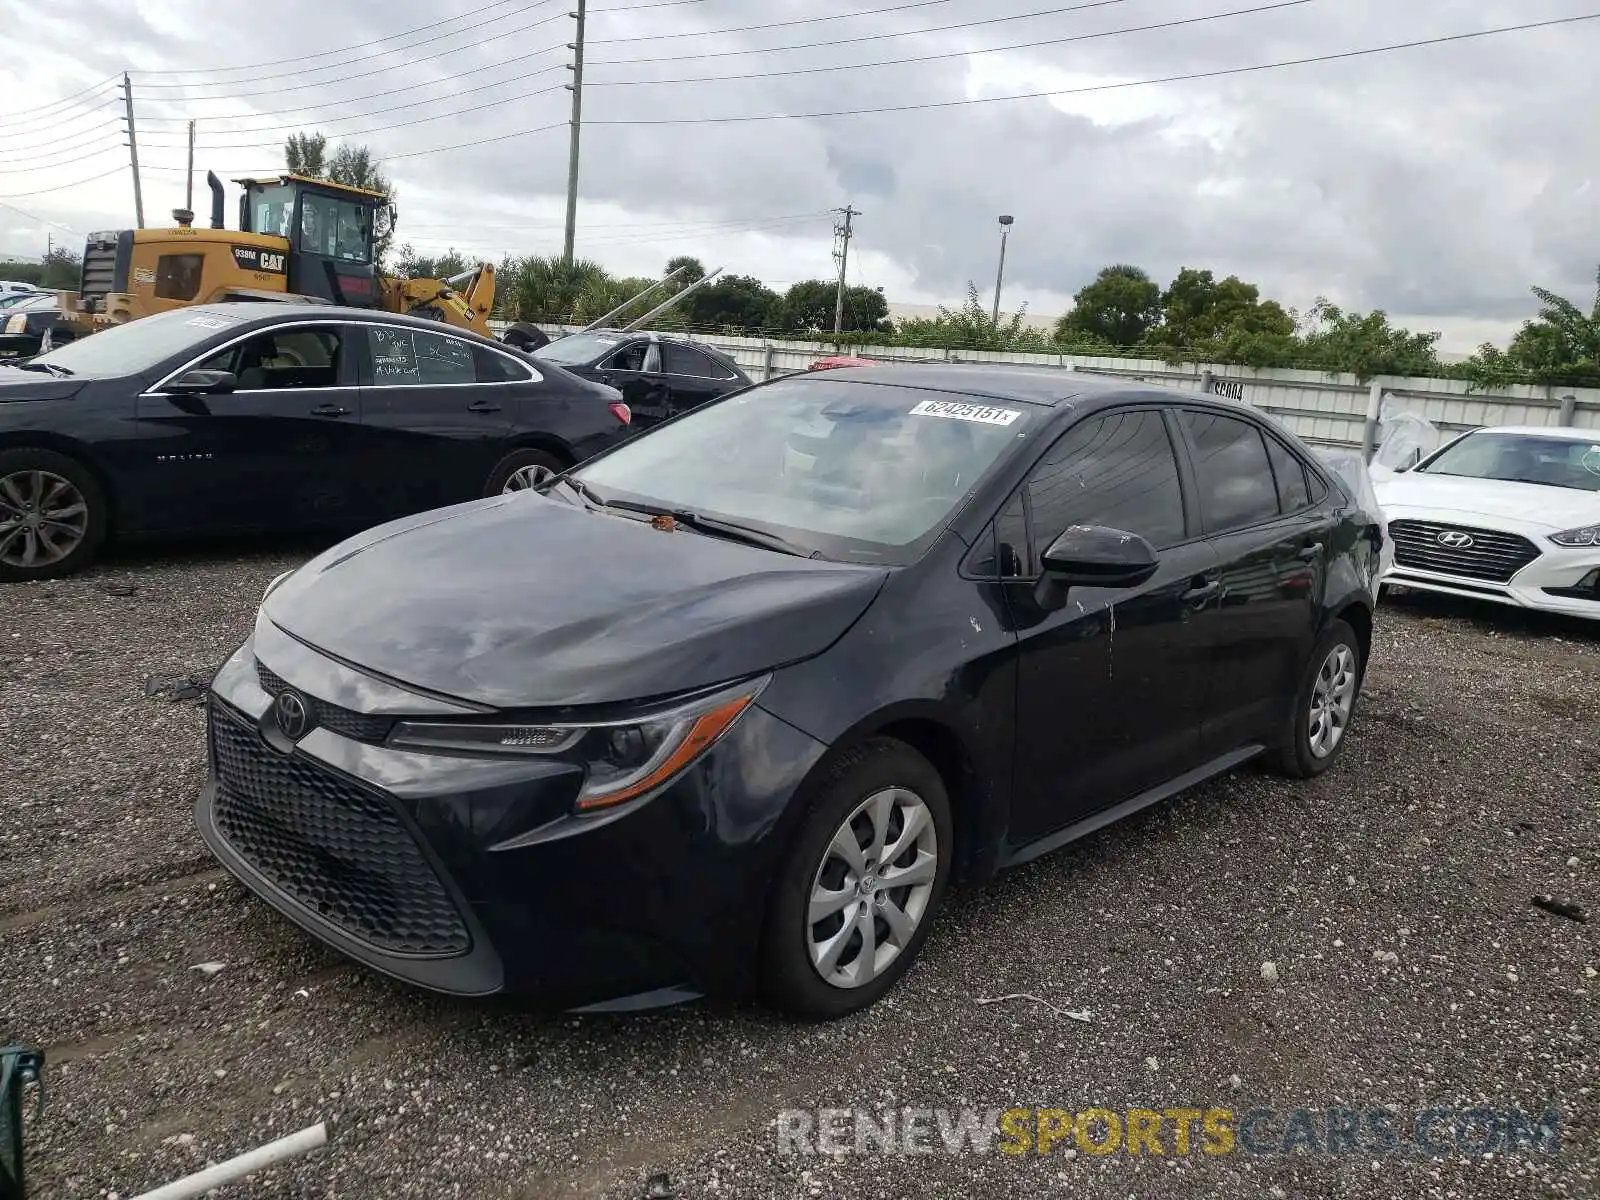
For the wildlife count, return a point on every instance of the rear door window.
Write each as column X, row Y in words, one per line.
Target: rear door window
column 678, row 359
column 1294, row 492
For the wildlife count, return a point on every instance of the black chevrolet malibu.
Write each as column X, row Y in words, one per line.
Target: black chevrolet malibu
column 728, row 707
column 238, row 417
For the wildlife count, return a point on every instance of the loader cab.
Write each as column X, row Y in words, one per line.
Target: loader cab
column 330, row 229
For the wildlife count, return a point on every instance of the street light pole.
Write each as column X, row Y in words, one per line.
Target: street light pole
column 1000, row 274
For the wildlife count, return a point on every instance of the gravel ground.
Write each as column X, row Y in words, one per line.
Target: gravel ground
column 1469, row 787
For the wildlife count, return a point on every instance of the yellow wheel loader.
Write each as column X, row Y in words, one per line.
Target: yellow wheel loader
column 299, row 240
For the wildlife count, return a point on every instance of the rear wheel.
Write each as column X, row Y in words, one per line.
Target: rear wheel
column 519, row 470
column 52, row 515
column 1317, row 728
column 858, row 893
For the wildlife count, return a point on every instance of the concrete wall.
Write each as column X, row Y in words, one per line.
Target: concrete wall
column 1323, row 409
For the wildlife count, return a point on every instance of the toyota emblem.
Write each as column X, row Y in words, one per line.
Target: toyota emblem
column 292, row 714
column 1455, row 539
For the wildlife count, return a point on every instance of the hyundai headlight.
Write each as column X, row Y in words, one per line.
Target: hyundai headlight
column 621, row 759
column 1584, row 535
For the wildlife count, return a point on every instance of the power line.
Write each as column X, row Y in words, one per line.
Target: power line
column 869, row 37
column 26, row 112
column 51, row 125
column 65, row 187
column 1106, row 87
column 304, row 58
column 894, row 62
column 334, row 66
column 35, row 217
column 411, row 87
column 300, row 87
column 866, row 12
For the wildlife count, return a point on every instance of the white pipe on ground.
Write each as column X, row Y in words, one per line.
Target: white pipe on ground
column 248, row 1163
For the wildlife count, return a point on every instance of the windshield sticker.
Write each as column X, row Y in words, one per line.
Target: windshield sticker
column 211, row 322
column 966, row 412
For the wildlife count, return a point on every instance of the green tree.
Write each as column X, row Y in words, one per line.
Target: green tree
column 1364, row 344
column 62, row 270
column 970, row 327
column 1562, row 345
column 548, row 289
column 307, row 154
column 695, row 273
column 1119, row 307
column 733, row 302
column 412, row 265
column 1204, row 319
column 22, row 272
column 808, row 307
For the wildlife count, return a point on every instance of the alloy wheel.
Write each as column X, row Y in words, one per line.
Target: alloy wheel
column 872, row 888
column 524, row 478
column 1332, row 698
column 43, row 518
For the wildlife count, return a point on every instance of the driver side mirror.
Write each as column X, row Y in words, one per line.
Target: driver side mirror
column 1094, row 556
column 202, row 383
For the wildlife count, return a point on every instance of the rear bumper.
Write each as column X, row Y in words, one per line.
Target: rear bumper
column 656, row 902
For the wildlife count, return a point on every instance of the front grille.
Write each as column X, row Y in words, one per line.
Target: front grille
column 337, row 848
column 360, row 727
column 1493, row 555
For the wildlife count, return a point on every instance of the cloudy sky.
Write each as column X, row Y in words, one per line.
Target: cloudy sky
column 1436, row 182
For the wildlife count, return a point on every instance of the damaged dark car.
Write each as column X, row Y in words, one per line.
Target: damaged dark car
column 726, row 709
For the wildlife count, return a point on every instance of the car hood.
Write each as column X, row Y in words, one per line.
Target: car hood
column 16, row 384
column 1556, row 508
column 529, row 602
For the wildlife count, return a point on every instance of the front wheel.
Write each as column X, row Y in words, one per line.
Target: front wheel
column 856, row 897
column 1316, row 729
column 52, row 515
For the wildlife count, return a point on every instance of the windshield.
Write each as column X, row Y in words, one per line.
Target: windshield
column 577, row 347
column 139, row 345
column 1522, row 458
column 859, row 472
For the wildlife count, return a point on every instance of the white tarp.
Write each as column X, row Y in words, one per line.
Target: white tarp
column 1350, row 467
column 1404, row 437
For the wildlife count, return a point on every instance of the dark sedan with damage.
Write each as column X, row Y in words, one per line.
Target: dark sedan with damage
column 238, row 417
column 730, row 705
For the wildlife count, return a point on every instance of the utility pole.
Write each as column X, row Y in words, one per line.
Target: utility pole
column 188, row 187
column 576, row 88
column 843, row 232
column 133, row 150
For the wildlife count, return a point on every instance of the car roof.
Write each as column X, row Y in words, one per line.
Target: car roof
column 247, row 311
column 1018, row 383
column 1568, row 432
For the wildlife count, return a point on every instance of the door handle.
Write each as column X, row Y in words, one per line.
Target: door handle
column 1201, row 592
column 330, row 410
column 483, row 406
column 1309, row 553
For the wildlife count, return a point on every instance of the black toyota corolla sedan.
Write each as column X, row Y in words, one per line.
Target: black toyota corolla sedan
column 727, row 707
column 270, row 416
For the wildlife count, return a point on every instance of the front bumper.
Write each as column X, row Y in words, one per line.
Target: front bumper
column 470, row 876
column 1538, row 574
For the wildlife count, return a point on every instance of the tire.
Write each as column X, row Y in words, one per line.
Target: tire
column 70, row 495
column 506, row 471
column 523, row 336
column 881, row 771
column 1339, row 651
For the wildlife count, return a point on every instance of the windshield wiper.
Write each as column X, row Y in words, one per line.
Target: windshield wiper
column 47, row 368
column 718, row 527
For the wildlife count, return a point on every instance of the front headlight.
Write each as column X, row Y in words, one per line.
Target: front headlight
column 621, row 759
column 17, row 324
column 1585, row 535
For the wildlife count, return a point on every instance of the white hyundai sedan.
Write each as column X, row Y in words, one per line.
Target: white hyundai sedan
column 1506, row 513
